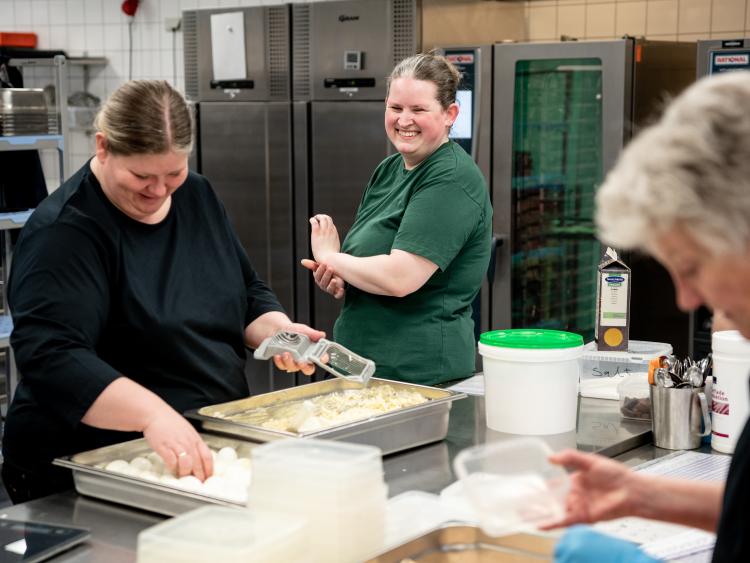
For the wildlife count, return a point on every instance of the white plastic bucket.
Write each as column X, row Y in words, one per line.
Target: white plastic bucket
column 730, row 402
column 531, row 390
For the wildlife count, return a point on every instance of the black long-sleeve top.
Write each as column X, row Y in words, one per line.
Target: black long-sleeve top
column 95, row 294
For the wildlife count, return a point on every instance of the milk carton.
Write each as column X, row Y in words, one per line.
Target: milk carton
column 612, row 303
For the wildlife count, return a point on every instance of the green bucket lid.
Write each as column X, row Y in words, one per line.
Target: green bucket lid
column 536, row 338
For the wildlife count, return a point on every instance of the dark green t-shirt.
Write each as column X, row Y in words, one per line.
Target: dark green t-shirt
column 441, row 211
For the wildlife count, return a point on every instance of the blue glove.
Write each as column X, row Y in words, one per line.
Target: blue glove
column 581, row 544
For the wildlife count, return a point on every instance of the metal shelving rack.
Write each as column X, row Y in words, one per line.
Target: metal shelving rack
column 12, row 221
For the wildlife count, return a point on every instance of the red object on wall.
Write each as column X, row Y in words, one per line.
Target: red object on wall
column 129, row 7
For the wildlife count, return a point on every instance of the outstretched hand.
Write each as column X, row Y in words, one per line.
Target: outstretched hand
column 326, row 278
column 600, row 488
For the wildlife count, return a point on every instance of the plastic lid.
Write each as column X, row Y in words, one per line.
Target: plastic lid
column 638, row 350
column 539, row 339
column 220, row 532
column 730, row 342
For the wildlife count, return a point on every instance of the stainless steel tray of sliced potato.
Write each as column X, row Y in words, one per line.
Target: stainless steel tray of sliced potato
column 422, row 421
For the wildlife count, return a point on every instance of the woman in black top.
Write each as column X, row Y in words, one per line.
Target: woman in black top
column 680, row 191
column 132, row 301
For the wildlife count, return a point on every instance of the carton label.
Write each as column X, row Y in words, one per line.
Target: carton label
column 614, row 299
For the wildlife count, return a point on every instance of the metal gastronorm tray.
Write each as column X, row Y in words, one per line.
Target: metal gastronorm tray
column 460, row 543
column 393, row 431
column 134, row 491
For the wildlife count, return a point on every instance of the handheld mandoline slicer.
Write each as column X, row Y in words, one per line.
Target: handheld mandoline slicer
column 342, row 362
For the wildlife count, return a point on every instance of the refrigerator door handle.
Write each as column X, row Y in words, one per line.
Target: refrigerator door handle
column 477, row 103
column 498, row 240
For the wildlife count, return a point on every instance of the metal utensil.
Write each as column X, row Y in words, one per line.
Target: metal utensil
column 663, row 378
column 694, row 376
column 676, row 379
column 332, row 357
column 704, row 365
column 673, row 365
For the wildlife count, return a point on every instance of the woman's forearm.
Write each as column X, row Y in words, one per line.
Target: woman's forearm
column 397, row 274
column 370, row 274
column 690, row 503
column 124, row 405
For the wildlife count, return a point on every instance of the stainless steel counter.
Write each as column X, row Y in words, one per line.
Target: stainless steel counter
column 114, row 529
column 600, row 429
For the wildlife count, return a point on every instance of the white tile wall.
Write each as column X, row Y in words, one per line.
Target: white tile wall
column 99, row 28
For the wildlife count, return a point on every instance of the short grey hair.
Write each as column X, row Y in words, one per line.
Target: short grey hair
column 690, row 169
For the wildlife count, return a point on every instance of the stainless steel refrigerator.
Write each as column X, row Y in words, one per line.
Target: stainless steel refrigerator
column 342, row 53
column 473, row 131
column 237, row 70
column 715, row 56
column 562, row 113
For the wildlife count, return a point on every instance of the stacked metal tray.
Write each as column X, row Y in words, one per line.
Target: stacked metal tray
column 23, row 111
column 134, row 491
column 459, row 543
column 392, row 431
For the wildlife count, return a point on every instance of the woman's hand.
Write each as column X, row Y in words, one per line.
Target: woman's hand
column 178, row 444
column 326, row 278
column 600, row 488
column 285, row 362
column 324, row 238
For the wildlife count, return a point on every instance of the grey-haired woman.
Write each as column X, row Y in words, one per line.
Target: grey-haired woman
column 681, row 192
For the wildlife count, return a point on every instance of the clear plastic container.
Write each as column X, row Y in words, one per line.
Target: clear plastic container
column 338, row 530
column 346, row 476
column 308, row 492
column 512, row 485
column 635, row 399
column 596, row 365
column 229, row 535
column 321, row 469
column 337, row 486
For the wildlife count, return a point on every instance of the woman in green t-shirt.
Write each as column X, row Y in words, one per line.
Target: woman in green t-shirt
column 414, row 259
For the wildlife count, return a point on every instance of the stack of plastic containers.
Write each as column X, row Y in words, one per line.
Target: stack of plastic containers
column 229, row 535
column 338, row 487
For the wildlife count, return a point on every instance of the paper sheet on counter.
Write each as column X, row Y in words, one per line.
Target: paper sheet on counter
column 671, row 541
column 472, row 386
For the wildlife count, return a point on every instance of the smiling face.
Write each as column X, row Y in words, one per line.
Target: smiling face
column 141, row 186
column 703, row 278
column 415, row 122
